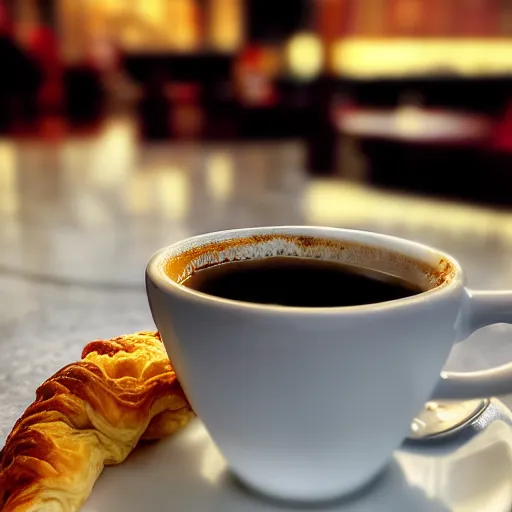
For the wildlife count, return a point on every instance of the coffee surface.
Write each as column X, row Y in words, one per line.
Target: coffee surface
column 288, row 281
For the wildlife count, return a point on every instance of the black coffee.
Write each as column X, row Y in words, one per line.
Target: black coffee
column 299, row 282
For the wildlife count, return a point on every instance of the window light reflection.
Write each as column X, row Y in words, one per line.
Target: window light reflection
column 173, row 192
column 138, row 195
column 112, row 155
column 163, row 189
column 328, row 202
column 9, row 200
column 219, row 176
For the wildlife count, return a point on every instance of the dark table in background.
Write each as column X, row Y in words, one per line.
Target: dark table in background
column 434, row 152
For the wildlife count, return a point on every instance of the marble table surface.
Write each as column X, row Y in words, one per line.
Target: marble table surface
column 80, row 217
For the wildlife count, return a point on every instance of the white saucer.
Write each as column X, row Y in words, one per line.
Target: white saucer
column 187, row 473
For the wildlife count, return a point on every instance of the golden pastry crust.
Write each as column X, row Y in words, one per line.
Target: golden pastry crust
column 90, row 414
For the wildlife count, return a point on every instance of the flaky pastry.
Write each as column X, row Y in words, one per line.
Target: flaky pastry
column 90, row 414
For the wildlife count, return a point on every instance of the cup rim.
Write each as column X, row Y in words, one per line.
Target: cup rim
column 156, row 275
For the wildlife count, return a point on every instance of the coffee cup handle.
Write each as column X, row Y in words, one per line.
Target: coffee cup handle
column 479, row 309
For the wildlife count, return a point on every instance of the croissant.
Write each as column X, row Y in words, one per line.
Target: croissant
column 90, row 414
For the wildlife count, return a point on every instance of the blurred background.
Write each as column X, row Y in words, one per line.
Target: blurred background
column 126, row 125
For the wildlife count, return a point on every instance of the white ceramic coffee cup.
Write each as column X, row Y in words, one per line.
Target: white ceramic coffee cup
column 310, row 403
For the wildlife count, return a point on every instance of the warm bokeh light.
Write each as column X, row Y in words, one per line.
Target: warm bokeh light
column 9, row 199
column 183, row 17
column 220, row 176
column 305, row 56
column 136, row 25
column 327, row 202
column 360, row 57
column 226, row 29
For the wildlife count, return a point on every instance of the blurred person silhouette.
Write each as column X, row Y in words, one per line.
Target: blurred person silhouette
column 20, row 78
